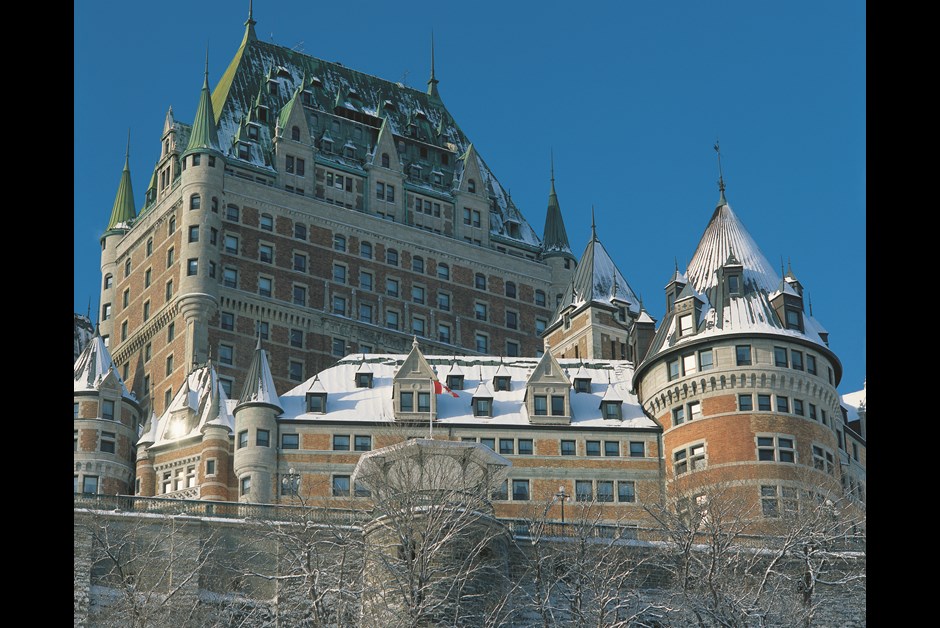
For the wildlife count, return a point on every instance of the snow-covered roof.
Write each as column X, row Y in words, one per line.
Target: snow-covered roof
column 346, row 402
column 199, row 402
column 726, row 241
column 853, row 402
column 94, row 366
column 597, row 280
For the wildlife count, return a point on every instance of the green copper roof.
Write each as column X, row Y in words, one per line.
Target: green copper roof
column 204, row 134
column 123, row 211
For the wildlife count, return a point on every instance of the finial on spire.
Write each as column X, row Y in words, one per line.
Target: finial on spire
column 552, row 156
column 593, row 229
column 414, row 341
column 432, row 82
column 782, row 273
column 789, row 266
column 88, row 314
column 677, row 264
column 127, row 151
column 721, row 179
column 810, row 298
column 205, row 78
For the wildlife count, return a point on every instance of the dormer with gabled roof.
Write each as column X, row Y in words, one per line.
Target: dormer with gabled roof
column 688, row 311
column 455, row 376
column 548, row 393
column 582, row 380
column 611, row 405
column 482, row 400
column 502, row 380
column 413, row 388
column 363, row 374
column 316, row 396
column 677, row 282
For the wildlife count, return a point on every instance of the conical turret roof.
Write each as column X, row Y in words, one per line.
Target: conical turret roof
column 204, row 135
column 555, row 237
column 123, row 212
column 94, row 365
column 259, row 383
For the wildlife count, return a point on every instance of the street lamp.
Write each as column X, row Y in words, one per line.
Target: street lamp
column 562, row 496
column 290, row 483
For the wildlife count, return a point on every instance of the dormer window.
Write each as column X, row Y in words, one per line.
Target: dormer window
column 734, row 284
column 483, row 406
column 244, row 151
column 295, row 133
column 438, row 179
column 326, row 146
column 471, row 186
column 582, row 385
column 350, row 152
column 685, row 325
column 252, row 133
column 316, row 402
column 455, row 382
column 794, row 319
column 612, row 410
column 622, row 314
column 501, row 382
column 364, row 379
column 385, row 160
column 262, row 113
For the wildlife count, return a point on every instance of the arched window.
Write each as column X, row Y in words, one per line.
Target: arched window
column 127, row 268
column 295, row 133
column 385, row 160
column 171, row 227
column 510, row 290
column 108, row 281
column 195, row 201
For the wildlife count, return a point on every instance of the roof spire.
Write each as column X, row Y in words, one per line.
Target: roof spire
column 552, row 157
column 127, row 151
column 721, row 179
column 432, row 82
column 123, row 211
column 203, row 134
column 810, row 297
column 593, row 229
column 250, row 22
column 88, row 314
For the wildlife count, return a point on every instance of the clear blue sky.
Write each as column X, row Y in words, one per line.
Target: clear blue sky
column 630, row 96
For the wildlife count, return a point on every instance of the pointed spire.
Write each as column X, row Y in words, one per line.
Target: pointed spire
column 593, row 229
column 123, row 211
column 721, row 180
column 204, row 134
column 250, row 23
column 555, row 237
column 432, row 82
column 810, row 298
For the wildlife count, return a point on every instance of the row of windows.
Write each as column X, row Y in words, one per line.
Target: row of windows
column 107, row 443
column 770, row 448
column 799, row 407
column 703, row 360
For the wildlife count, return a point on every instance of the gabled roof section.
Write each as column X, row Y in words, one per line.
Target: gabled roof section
column 204, row 135
column 94, row 367
column 597, row 280
column 415, row 366
column 259, row 383
column 548, row 370
column 123, row 212
column 554, row 237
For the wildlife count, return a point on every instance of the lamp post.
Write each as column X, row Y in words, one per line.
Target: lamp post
column 290, row 481
column 562, row 496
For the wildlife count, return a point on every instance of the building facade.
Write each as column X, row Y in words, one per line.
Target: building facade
column 324, row 265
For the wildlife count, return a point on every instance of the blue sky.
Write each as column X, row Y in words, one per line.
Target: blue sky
column 630, row 97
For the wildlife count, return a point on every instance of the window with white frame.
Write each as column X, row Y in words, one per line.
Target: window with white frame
column 776, row 448
column 688, row 459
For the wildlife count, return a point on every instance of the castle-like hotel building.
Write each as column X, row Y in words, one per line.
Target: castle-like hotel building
column 324, row 265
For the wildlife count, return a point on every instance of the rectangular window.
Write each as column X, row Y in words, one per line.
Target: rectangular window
column 783, row 404
column 417, row 326
column 226, row 354
column 512, row 319
column 568, row 448
column 592, row 447
column 290, row 441
column 685, row 325
column 299, row 294
column 506, row 446
column 776, row 448
column 812, row 411
column 107, row 442
column 300, row 262
column 637, row 449
column 443, row 334
column 798, row 407
column 525, row 446
column 265, row 286
column 297, row 338
column 169, row 364
column 295, row 371
column 194, row 233
column 811, row 364
column 678, row 416
column 231, row 244
column 673, row 369
column 705, row 360
column 742, row 355
column 489, row 442
column 479, row 310
column 780, row 357
column 365, row 280
column 689, row 459
column 605, row 491
column 90, row 484
column 192, row 266
column 243, row 439
column 763, row 403
column 339, row 273
column 501, row 492
column 391, row 319
column 107, row 410
column 365, row 312
column 611, row 448
column 745, row 402
column 340, row 442
column 339, row 305
column 540, row 405
column 482, row 343
column 424, row 402
column 363, row 443
column 263, row 438
column 823, row 459
column 583, row 490
column 520, row 490
column 558, row 405
column 695, row 411
column 626, row 491
column 407, row 401
column 688, row 364
column 391, row 287
column 340, row 486
column 417, row 294
column 796, row 359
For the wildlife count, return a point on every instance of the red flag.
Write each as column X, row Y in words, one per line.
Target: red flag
column 439, row 388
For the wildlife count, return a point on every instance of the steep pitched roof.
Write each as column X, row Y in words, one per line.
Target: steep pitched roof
column 597, row 280
column 123, row 211
column 259, row 383
column 331, row 86
column 94, row 366
column 724, row 241
column 204, row 134
column 555, row 237
column 201, row 401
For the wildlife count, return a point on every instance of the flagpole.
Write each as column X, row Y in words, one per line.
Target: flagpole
column 431, row 411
